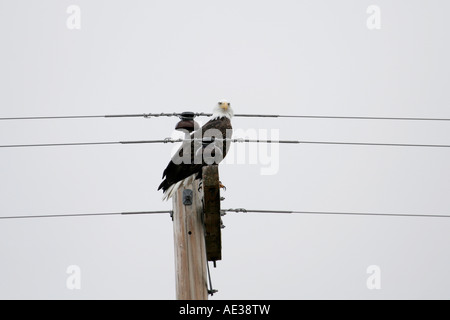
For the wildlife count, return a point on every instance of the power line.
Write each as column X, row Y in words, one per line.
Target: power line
column 242, row 210
column 85, row 215
column 238, row 140
column 70, row 144
column 202, row 114
column 375, row 144
column 57, row 144
column 51, row 117
column 343, row 117
column 343, row 143
column 239, row 210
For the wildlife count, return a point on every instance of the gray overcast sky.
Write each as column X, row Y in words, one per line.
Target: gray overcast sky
column 288, row 57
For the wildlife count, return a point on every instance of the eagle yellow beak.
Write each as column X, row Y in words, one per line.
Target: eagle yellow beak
column 224, row 105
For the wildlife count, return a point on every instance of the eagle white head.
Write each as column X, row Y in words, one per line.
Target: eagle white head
column 223, row 109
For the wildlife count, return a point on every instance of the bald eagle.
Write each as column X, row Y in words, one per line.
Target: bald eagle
column 198, row 150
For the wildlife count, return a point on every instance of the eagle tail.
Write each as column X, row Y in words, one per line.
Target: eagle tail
column 171, row 190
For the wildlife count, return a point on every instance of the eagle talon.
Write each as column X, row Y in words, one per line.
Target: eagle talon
column 221, row 186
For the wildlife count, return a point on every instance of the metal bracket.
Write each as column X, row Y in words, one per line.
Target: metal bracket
column 211, row 292
column 188, row 196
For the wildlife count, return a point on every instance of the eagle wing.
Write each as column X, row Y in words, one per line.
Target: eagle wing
column 176, row 171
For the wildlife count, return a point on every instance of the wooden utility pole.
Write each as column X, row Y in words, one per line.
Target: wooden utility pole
column 197, row 235
column 190, row 250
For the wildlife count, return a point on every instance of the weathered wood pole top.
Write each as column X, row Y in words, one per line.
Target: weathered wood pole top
column 211, row 210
